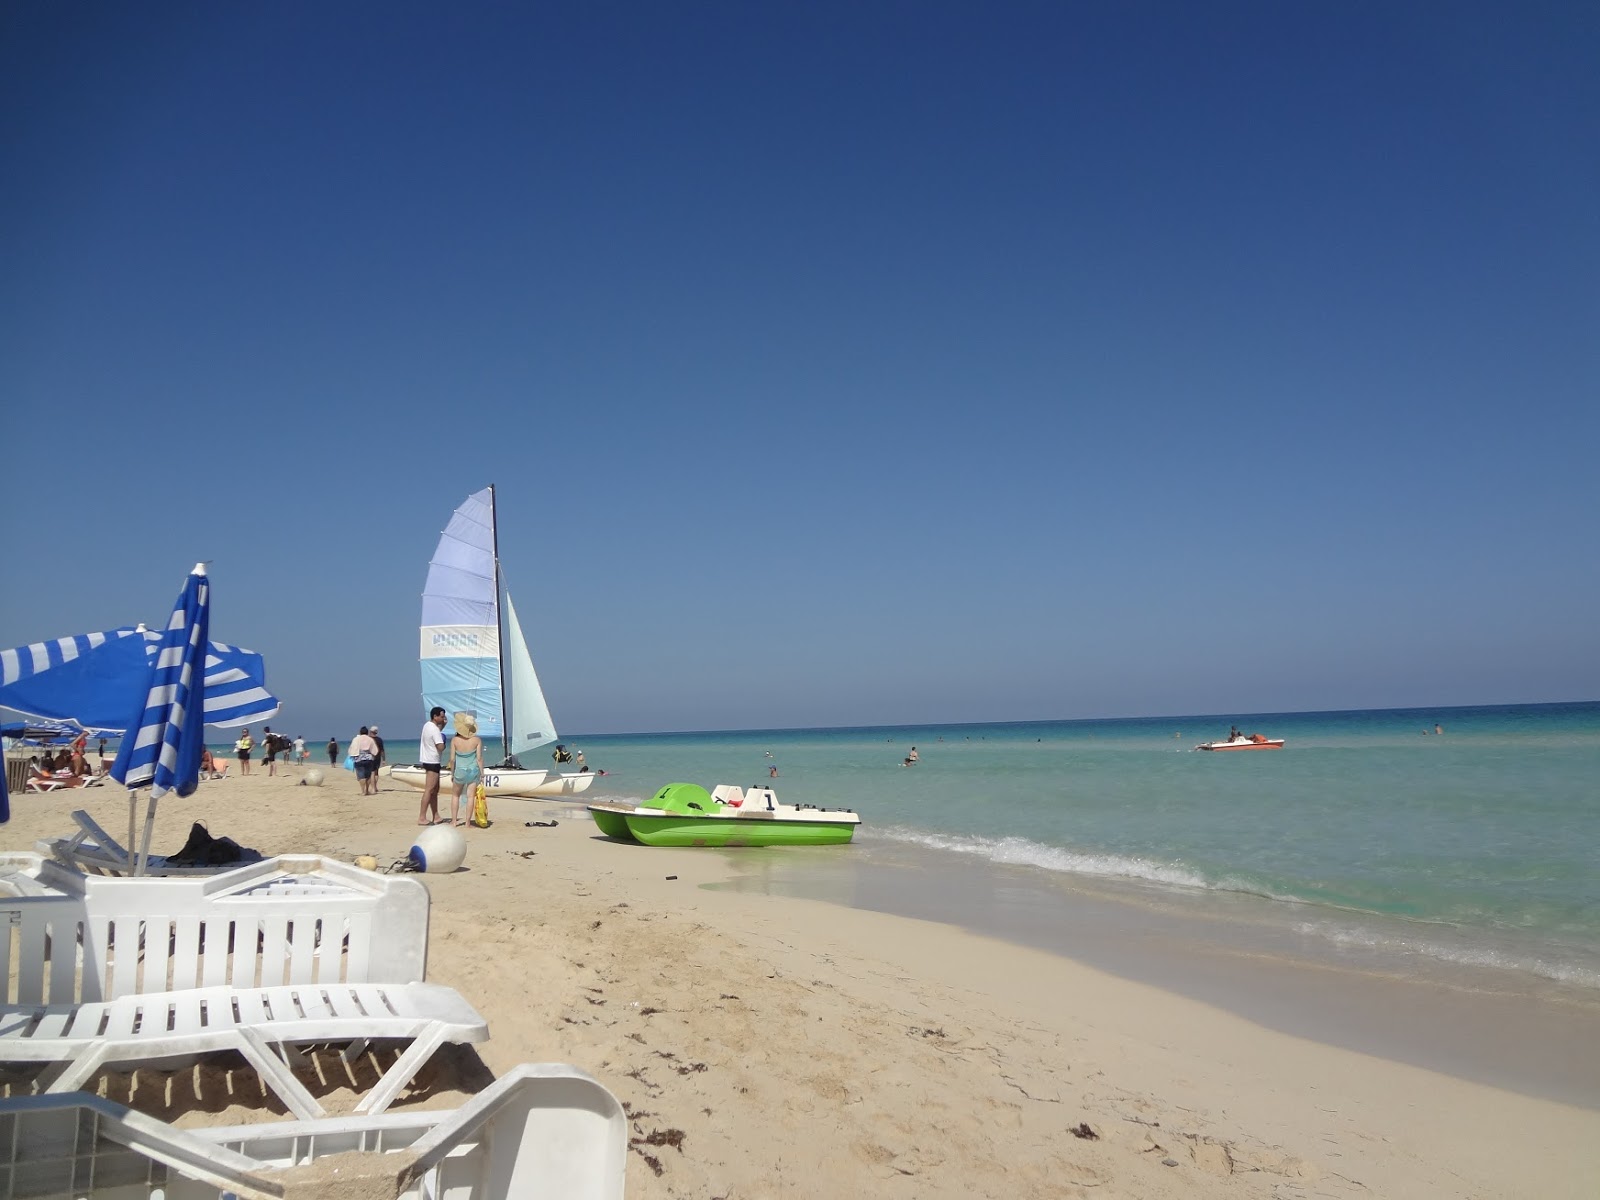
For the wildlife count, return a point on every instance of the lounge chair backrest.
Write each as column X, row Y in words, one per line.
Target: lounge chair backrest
column 257, row 926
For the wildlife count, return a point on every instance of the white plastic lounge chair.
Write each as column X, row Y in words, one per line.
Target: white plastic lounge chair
column 151, row 972
column 38, row 781
column 95, row 852
column 19, row 874
column 542, row 1130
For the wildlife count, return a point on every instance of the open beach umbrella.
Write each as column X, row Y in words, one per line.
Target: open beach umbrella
column 163, row 744
column 96, row 679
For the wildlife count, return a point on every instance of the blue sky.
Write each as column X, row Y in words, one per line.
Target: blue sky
column 835, row 363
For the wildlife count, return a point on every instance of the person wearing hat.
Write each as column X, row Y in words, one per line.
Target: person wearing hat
column 466, row 763
column 378, row 766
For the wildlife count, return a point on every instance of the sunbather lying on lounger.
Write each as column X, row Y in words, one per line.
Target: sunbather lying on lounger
column 44, row 779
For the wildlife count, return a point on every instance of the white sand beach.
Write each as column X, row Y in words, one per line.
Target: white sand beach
column 766, row 1046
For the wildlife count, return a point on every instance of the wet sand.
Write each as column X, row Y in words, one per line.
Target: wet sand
column 1503, row 1028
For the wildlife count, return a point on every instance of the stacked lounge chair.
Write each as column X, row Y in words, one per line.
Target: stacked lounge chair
column 265, row 960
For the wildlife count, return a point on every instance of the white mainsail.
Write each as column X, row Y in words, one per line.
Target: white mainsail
column 474, row 658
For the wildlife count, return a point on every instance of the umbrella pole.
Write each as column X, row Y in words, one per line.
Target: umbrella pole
column 149, row 828
column 133, row 817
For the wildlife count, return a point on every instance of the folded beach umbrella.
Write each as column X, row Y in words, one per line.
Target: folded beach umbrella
column 162, row 746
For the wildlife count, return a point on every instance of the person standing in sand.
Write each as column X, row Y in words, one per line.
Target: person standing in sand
column 333, row 752
column 432, row 741
column 382, row 757
column 466, row 763
column 365, row 752
column 242, row 748
column 300, row 754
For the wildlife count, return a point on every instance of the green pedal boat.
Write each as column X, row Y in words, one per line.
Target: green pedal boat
column 685, row 814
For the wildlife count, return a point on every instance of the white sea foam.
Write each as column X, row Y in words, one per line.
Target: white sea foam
column 1467, row 955
column 1016, row 851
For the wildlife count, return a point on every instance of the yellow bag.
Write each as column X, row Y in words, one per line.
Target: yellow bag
column 480, row 807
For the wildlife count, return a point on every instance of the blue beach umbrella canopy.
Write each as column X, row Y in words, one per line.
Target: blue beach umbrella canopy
column 162, row 747
column 94, row 680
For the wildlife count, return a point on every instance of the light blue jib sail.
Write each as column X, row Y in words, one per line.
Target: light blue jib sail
column 468, row 664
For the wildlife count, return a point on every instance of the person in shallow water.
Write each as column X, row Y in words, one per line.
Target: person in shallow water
column 910, row 759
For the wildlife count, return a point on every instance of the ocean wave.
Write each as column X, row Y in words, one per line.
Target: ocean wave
column 1470, row 956
column 1016, row 851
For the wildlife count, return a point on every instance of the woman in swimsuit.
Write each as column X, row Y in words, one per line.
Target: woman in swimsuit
column 466, row 761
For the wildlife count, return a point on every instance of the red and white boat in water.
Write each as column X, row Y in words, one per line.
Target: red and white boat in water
column 1254, row 741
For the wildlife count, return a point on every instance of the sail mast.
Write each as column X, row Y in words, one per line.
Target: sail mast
column 500, row 626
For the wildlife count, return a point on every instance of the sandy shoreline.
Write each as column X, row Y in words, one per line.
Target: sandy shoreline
column 1507, row 1029
column 771, row 1046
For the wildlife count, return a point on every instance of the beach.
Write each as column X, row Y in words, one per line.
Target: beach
column 768, row 1044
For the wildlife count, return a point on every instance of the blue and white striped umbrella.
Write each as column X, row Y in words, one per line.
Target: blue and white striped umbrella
column 95, row 679
column 162, row 746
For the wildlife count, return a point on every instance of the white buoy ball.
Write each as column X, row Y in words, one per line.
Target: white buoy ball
column 439, row 849
column 314, row 777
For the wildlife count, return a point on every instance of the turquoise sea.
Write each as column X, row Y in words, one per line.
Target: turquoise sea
column 1367, row 832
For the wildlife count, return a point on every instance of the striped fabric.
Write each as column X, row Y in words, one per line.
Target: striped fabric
column 39, row 657
column 99, row 677
column 236, row 692
column 164, row 751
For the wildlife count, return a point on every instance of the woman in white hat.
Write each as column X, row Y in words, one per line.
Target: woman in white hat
column 466, row 762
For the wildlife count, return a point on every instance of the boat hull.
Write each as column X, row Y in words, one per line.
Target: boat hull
column 611, row 821
column 510, row 784
column 556, row 786
column 1269, row 744
column 673, row 829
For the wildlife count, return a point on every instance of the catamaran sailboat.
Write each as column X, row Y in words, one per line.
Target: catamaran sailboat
column 475, row 659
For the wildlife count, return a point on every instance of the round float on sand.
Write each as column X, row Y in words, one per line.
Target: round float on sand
column 439, row 849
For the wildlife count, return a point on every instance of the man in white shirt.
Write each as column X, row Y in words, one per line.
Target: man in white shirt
column 432, row 743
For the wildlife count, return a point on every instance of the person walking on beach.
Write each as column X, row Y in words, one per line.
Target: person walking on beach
column 242, row 749
column 383, row 757
column 365, row 751
column 333, row 752
column 432, row 741
column 300, row 750
column 466, row 764
column 269, row 749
